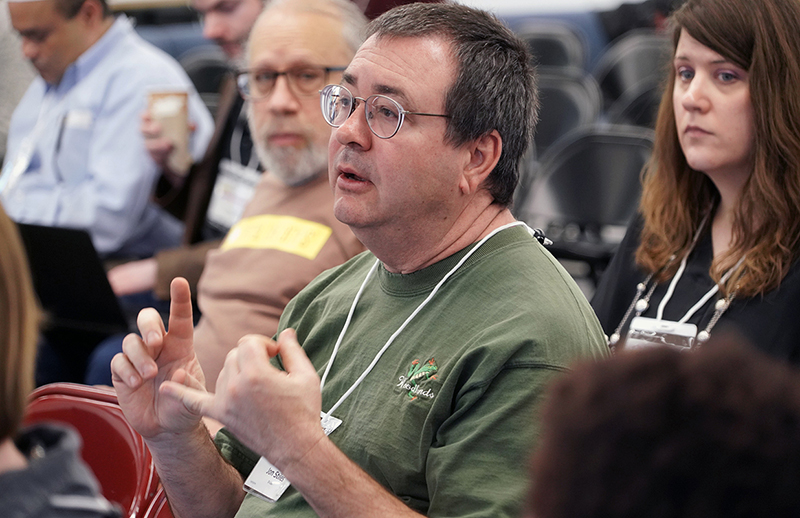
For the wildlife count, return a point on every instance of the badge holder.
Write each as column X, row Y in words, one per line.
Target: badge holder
column 647, row 332
column 267, row 482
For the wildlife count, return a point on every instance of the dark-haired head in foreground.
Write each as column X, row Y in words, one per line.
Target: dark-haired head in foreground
column 659, row 433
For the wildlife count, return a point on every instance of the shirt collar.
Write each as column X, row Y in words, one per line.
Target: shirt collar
column 87, row 61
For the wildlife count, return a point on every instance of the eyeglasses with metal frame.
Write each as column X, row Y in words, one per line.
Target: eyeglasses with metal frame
column 306, row 80
column 384, row 115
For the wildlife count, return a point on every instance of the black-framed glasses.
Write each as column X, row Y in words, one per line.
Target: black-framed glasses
column 306, row 80
column 384, row 115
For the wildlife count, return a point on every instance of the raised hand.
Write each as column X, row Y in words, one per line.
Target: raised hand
column 275, row 413
column 148, row 361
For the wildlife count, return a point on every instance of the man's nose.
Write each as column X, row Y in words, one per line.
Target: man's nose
column 214, row 27
column 29, row 49
column 282, row 98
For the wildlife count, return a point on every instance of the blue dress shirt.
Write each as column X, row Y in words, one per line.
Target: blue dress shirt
column 89, row 167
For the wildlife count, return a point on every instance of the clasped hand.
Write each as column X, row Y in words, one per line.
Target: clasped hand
column 161, row 387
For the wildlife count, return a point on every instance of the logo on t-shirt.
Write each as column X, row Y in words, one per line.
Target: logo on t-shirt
column 417, row 381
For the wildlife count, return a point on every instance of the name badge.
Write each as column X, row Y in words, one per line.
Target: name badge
column 647, row 332
column 233, row 190
column 267, row 482
column 79, row 119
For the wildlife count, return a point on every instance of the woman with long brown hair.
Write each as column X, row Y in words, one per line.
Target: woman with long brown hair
column 716, row 240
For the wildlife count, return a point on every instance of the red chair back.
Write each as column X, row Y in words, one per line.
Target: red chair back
column 114, row 451
column 159, row 508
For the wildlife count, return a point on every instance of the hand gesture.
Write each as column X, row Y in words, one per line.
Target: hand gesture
column 157, row 356
column 275, row 413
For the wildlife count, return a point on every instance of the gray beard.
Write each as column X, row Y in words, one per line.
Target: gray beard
column 293, row 166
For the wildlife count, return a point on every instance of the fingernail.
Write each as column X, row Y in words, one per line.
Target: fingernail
column 152, row 338
column 133, row 380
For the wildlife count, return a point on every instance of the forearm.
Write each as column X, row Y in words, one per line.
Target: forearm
column 187, row 262
column 336, row 487
column 197, row 480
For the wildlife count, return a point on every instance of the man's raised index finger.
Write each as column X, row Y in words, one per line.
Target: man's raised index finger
column 181, row 325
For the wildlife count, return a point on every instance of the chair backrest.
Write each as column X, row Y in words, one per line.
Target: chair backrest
column 554, row 44
column 159, row 507
column 567, row 102
column 113, row 450
column 590, row 179
column 638, row 105
column 206, row 67
column 630, row 59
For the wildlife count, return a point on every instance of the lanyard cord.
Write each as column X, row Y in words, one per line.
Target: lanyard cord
column 236, row 141
column 403, row 325
column 705, row 298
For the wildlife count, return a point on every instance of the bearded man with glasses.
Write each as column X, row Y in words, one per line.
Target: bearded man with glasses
column 286, row 234
column 424, row 359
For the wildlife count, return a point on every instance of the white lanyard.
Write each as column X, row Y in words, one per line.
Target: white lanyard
column 710, row 293
column 404, row 324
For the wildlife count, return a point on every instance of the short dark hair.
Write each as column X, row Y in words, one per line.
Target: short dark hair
column 70, row 8
column 660, row 433
column 494, row 89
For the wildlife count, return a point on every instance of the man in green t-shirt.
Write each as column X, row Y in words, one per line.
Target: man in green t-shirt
column 425, row 358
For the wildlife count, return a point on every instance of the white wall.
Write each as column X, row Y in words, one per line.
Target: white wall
column 519, row 7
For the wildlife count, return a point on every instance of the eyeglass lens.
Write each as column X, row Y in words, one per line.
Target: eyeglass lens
column 305, row 81
column 383, row 114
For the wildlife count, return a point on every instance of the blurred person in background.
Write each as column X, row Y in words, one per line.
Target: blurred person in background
column 288, row 234
column 41, row 472
column 716, row 241
column 75, row 156
column 662, row 434
column 213, row 196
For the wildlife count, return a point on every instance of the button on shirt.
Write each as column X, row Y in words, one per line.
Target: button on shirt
column 89, row 167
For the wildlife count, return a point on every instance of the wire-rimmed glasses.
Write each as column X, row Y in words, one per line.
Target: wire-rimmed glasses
column 384, row 115
column 305, row 80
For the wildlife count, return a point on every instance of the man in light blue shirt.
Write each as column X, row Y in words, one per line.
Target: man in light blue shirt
column 75, row 156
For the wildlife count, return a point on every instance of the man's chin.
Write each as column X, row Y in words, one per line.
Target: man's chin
column 233, row 50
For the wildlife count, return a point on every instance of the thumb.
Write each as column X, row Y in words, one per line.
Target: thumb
column 190, row 393
column 292, row 355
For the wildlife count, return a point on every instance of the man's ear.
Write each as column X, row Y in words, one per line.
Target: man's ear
column 91, row 11
column 484, row 153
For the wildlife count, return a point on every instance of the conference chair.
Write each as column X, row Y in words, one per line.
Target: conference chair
column 113, row 450
column 567, row 101
column 634, row 57
column 639, row 104
column 587, row 190
column 207, row 68
column 554, row 44
column 159, row 507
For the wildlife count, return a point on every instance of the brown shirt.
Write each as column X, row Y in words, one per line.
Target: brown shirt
column 286, row 237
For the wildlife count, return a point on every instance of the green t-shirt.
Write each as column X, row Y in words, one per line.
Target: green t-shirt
column 447, row 418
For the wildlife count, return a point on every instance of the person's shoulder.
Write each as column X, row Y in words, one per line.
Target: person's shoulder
column 138, row 58
column 57, row 482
